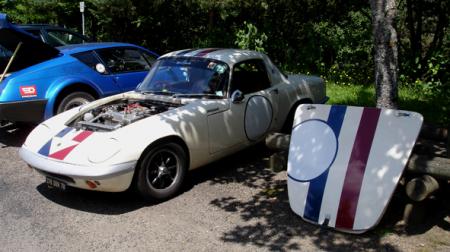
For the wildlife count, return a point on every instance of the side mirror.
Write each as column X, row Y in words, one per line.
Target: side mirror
column 237, row 96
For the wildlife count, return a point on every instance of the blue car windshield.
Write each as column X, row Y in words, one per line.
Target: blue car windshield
column 187, row 76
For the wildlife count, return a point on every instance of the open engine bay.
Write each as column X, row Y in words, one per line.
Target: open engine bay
column 116, row 114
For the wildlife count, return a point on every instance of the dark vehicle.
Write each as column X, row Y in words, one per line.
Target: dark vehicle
column 54, row 35
column 50, row 34
column 38, row 80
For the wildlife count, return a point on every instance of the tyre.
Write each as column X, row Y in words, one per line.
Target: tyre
column 287, row 126
column 162, row 171
column 73, row 100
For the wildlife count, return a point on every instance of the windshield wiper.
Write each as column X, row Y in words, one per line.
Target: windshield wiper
column 211, row 96
column 157, row 92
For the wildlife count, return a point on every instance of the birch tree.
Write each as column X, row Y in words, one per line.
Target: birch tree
column 386, row 52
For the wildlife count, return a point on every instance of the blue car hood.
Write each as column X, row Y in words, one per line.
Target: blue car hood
column 32, row 51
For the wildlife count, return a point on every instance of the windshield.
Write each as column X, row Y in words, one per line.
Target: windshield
column 187, row 76
column 61, row 38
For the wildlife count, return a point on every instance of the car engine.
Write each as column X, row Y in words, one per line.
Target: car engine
column 115, row 115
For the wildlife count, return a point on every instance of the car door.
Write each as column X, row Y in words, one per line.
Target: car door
column 249, row 112
column 127, row 65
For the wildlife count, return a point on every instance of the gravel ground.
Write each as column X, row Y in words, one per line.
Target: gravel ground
column 235, row 204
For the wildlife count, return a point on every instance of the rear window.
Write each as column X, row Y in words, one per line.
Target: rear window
column 88, row 58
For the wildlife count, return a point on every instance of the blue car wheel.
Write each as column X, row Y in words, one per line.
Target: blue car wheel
column 74, row 100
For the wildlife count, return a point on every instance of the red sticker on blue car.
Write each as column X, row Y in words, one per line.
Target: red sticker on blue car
column 28, row 91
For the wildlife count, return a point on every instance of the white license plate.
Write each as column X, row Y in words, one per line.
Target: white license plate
column 51, row 182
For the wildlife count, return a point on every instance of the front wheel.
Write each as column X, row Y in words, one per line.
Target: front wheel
column 162, row 171
column 74, row 100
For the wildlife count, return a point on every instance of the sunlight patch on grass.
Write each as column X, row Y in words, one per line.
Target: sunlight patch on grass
column 353, row 95
column 364, row 96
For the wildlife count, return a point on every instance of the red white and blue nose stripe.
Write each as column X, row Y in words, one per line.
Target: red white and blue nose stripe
column 197, row 52
column 64, row 143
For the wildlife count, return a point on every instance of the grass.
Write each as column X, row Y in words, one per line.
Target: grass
column 409, row 99
column 354, row 95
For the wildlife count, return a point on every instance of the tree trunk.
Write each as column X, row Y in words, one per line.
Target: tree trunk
column 386, row 52
column 414, row 21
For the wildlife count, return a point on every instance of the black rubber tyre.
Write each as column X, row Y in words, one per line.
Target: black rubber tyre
column 73, row 100
column 162, row 171
column 287, row 126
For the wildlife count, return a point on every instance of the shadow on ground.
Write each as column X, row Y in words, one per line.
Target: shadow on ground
column 128, row 201
column 269, row 222
column 94, row 202
column 12, row 135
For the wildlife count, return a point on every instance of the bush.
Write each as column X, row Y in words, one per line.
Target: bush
column 346, row 48
column 433, row 85
column 250, row 38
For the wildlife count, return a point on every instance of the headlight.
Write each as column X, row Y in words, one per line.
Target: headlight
column 104, row 150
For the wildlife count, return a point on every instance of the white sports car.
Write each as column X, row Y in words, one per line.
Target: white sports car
column 194, row 107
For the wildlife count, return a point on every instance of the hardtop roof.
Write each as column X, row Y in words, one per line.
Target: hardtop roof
column 229, row 56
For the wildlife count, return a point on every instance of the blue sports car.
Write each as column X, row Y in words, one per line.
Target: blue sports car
column 38, row 81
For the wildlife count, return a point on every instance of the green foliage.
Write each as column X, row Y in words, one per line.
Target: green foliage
column 424, row 49
column 249, row 38
column 350, row 44
column 63, row 13
column 434, row 85
column 432, row 81
column 330, row 38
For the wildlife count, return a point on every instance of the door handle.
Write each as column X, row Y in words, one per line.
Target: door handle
column 274, row 91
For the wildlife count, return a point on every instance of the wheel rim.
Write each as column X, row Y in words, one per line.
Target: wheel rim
column 162, row 169
column 75, row 103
